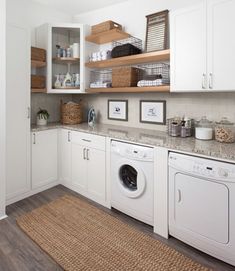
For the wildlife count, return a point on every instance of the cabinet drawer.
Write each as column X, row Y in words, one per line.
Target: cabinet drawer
column 88, row 140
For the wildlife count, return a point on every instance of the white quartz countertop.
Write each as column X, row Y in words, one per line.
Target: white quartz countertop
column 210, row 148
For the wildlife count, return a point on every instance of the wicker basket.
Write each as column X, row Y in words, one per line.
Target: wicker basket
column 38, row 81
column 105, row 26
column 71, row 113
column 125, row 77
column 38, row 54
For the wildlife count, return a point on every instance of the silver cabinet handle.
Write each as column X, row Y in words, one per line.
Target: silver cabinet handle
column 86, row 140
column 69, row 136
column 211, row 80
column 34, row 138
column 87, row 154
column 204, row 81
column 28, row 113
column 84, row 153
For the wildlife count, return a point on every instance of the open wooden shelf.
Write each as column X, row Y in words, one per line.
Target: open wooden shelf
column 66, row 88
column 38, row 90
column 129, row 89
column 108, row 36
column 38, row 64
column 65, row 60
column 131, row 60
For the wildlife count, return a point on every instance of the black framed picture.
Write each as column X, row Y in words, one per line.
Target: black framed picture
column 118, row 110
column 153, row 112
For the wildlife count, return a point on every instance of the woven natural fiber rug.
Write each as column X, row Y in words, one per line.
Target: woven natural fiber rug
column 79, row 236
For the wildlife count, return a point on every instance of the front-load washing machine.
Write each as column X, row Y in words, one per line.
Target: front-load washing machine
column 132, row 178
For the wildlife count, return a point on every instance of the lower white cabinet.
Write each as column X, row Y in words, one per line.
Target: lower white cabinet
column 83, row 164
column 65, row 159
column 44, row 158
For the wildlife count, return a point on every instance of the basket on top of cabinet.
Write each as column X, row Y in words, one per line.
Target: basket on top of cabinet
column 126, row 47
column 152, row 75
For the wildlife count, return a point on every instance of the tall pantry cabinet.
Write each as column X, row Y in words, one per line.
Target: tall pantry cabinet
column 17, row 111
column 202, row 47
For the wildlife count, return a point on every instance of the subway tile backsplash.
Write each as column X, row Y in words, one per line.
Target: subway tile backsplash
column 194, row 105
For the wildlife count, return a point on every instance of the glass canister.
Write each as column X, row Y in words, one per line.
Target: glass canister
column 225, row 131
column 204, row 129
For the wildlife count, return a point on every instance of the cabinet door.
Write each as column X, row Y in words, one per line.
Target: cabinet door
column 65, row 154
column 96, row 177
column 221, row 44
column 44, row 158
column 188, row 49
column 17, row 111
column 79, row 167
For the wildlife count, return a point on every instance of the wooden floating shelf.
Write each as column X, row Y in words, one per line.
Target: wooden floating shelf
column 38, row 90
column 129, row 89
column 65, row 60
column 38, row 64
column 108, row 36
column 131, row 60
column 66, row 88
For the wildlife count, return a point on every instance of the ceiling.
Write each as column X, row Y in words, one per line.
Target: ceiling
column 77, row 6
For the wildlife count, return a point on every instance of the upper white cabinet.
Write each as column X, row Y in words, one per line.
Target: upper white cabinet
column 44, row 158
column 17, row 111
column 188, row 49
column 221, row 45
column 63, row 61
column 202, row 46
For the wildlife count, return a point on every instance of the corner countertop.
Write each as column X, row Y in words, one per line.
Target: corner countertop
column 191, row 145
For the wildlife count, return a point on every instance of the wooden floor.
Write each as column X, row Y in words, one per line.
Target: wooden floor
column 18, row 252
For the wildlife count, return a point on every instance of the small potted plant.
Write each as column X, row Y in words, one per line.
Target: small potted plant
column 42, row 117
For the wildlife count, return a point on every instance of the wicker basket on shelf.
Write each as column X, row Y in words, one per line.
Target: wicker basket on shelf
column 71, row 113
column 105, row 26
column 125, row 77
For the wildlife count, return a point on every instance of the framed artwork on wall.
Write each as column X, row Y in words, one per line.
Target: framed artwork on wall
column 118, row 110
column 153, row 112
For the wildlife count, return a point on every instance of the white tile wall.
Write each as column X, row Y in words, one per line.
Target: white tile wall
column 195, row 105
column 51, row 102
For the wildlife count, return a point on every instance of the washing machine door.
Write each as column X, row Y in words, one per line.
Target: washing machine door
column 131, row 179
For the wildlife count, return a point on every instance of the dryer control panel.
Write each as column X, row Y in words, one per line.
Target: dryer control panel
column 203, row 167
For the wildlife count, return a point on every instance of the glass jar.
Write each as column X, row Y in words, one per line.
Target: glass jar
column 204, row 129
column 225, row 131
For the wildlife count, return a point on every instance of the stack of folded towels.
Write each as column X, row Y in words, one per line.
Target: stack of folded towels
column 101, row 84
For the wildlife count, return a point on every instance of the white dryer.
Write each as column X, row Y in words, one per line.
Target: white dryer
column 132, row 180
column 202, row 204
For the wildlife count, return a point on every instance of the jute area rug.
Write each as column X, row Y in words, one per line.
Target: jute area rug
column 79, row 236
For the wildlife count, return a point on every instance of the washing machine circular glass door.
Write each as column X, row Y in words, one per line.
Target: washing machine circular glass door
column 132, row 181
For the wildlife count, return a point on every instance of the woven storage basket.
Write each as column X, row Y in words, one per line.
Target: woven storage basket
column 38, row 54
column 71, row 113
column 125, row 77
column 38, row 81
column 105, row 26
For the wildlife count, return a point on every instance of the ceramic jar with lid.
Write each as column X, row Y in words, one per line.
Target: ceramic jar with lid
column 204, row 129
column 225, row 131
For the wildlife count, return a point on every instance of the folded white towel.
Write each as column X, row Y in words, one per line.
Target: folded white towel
column 150, row 83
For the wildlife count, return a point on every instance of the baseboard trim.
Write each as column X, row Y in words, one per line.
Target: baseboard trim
column 3, row 217
column 31, row 193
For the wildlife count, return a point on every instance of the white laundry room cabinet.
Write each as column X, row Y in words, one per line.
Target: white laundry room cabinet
column 17, row 111
column 202, row 47
column 44, row 158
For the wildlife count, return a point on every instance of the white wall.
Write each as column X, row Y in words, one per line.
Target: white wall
column 131, row 14
column 31, row 14
column 2, row 105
